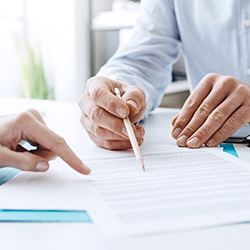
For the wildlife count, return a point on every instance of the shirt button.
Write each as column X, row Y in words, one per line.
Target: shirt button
column 248, row 71
column 247, row 23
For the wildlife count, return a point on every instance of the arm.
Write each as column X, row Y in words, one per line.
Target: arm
column 146, row 59
column 141, row 69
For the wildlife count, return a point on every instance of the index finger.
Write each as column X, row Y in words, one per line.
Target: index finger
column 38, row 132
column 191, row 105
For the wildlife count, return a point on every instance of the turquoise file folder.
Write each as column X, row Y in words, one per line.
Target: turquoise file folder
column 13, row 215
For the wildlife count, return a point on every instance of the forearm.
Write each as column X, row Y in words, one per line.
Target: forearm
column 146, row 60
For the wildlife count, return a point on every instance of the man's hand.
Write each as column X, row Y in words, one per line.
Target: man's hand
column 29, row 126
column 102, row 112
column 218, row 107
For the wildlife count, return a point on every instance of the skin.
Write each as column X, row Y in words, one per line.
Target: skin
column 218, row 107
column 103, row 111
column 29, row 126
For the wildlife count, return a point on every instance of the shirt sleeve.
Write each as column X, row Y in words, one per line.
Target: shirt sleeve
column 146, row 59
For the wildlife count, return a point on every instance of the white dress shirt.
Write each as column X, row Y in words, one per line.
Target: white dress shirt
column 214, row 36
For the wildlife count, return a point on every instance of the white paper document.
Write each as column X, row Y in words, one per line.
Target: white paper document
column 181, row 189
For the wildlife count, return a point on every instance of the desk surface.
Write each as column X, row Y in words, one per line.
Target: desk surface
column 84, row 235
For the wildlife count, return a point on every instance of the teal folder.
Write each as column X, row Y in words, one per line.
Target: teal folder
column 10, row 215
column 229, row 148
column 13, row 215
column 7, row 174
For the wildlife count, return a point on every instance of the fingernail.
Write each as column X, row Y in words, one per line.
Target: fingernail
column 138, row 133
column 140, row 141
column 42, row 166
column 132, row 103
column 121, row 112
column 182, row 141
column 194, row 143
column 210, row 143
column 176, row 132
column 86, row 168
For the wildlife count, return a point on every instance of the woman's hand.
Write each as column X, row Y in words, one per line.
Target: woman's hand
column 29, row 126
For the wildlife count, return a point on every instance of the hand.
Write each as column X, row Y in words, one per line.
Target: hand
column 29, row 126
column 218, row 107
column 102, row 112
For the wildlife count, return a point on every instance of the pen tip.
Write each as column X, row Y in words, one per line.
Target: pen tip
column 143, row 167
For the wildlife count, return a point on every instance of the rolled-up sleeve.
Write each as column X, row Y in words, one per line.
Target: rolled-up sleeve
column 146, row 59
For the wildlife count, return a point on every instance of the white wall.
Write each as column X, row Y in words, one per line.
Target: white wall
column 10, row 22
column 9, row 67
column 104, row 44
column 60, row 28
column 100, row 5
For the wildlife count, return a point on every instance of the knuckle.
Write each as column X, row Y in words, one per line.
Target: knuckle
column 191, row 103
column 116, row 124
column 33, row 112
column 229, row 80
column 138, row 93
column 228, row 83
column 24, row 116
column 189, row 130
column 180, row 122
column 203, row 111
column 57, row 142
column 211, row 76
column 96, row 114
column 242, row 91
column 230, row 125
column 203, row 133
column 98, row 131
column 97, row 93
column 217, row 117
column 110, row 104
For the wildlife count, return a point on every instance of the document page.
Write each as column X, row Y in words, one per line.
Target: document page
column 180, row 189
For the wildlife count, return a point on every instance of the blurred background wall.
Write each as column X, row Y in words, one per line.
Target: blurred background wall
column 74, row 38
column 59, row 30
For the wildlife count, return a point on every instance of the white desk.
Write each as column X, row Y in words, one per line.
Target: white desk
column 64, row 119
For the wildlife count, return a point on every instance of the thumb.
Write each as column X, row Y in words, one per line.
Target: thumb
column 25, row 161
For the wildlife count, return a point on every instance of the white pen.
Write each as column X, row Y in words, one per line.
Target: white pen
column 131, row 135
